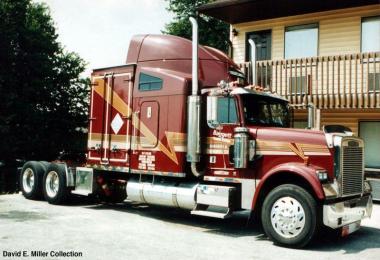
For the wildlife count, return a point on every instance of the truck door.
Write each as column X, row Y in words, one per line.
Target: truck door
column 221, row 138
column 110, row 119
column 146, row 133
column 149, row 114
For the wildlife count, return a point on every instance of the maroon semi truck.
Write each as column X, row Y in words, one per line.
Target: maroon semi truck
column 177, row 126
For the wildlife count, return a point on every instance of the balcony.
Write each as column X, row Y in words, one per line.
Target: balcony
column 330, row 82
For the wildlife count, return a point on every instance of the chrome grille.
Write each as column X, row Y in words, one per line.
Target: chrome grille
column 352, row 167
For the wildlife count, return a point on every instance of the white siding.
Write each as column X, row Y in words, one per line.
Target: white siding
column 339, row 31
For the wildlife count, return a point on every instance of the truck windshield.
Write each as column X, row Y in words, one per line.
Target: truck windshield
column 265, row 111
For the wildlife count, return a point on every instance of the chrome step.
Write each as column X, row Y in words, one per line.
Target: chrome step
column 212, row 214
column 214, row 201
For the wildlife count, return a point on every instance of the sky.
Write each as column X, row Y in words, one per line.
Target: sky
column 100, row 30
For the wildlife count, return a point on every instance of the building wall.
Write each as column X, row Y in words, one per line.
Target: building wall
column 339, row 34
column 347, row 117
column 339, row 31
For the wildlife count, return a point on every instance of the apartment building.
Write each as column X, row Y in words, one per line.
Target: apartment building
column 321, row 51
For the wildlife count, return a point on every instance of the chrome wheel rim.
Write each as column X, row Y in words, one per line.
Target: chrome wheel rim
column 288, row 217
column 52, row 184
column 28, row 180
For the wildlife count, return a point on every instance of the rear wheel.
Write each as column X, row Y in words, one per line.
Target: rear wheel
column 289, row 216
column 54, row 184
column 31, row 179
column 118, row 195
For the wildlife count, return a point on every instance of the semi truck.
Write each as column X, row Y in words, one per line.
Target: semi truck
column 178, row 126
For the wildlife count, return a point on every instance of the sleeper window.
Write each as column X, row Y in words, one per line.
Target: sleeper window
column 148, row 83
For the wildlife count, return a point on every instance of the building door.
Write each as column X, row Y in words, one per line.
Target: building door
column 370, row 132
column 263, row 40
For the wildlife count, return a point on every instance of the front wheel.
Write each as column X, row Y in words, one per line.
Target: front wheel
column 289, row 216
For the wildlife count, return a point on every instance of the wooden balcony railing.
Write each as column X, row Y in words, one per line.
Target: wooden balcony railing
column 342, row 81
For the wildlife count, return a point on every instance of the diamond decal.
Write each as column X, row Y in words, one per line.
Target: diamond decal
column 117, row 123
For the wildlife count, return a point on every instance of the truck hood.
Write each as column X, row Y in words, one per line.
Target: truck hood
column 290, row 135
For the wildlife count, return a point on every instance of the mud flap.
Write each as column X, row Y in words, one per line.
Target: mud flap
column 84, row 181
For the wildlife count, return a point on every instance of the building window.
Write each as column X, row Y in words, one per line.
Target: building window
column 227, row 113
column 148, row 83
column 370, row 40
column 300, row 84
column 297, row 85
column 374, row 82
column 301, row 41
column 302, row 124
column 370, row 132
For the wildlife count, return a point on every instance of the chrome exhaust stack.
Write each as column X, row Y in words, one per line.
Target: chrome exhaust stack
column 194, row 57
column 253, row 60
column 194, row 109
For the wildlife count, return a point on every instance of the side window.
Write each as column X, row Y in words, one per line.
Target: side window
column 227, row 113
column 148, row 83
column 370, row 34
column 301, row 41
column 369, row 131
column 263, row 114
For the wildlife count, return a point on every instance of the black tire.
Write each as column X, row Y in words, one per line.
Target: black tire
column 45, row 164
column 119, row 194
column 58, row 194
column 37, row 170
column 292, row 230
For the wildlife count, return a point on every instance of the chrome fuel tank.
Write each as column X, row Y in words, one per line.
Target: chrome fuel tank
column 164, row 194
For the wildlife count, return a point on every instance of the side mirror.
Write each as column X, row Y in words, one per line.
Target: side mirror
column 212, row 112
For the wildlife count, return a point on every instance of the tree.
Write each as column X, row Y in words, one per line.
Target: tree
column 43, row 98
column 212, row 32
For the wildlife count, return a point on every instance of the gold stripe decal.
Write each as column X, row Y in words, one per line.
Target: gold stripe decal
column 298, row 151
column 126, row 111
column 215, row 145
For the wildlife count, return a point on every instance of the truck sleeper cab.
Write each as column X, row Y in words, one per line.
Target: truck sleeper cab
column 159, row 137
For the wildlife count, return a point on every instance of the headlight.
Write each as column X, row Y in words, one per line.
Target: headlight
column 367, row 186
column 322, row 175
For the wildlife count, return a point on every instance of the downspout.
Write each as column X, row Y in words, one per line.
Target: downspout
column 253, row 60
column 310, row 116
column 194, row 109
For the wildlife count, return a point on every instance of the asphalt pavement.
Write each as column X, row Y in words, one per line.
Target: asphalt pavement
column 86, row 230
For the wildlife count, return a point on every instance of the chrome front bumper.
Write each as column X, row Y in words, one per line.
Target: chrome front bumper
column 343, row 213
